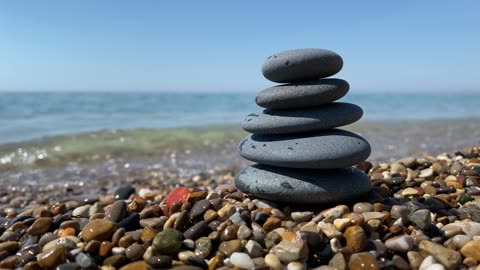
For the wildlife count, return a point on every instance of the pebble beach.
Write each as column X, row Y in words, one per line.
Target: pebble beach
column 423, row 213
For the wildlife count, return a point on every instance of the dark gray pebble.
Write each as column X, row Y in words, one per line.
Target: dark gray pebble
column 123, row 192
column 302, row 95
column 303, row 186
column 160, row 261
column 329, row 149
column 302, row 120
column 301, row 65
column 196, row 230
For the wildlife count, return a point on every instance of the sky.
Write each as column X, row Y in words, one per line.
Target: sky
column 220, row 46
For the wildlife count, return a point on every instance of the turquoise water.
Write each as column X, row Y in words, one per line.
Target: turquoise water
column 25, row 116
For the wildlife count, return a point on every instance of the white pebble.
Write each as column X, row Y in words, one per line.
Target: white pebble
column 237, row 219
column 335, row 244
column 118, row 251
column 81, row 211
column 295, row 266
column 436, row 266
column 264, row 204
column 242, row 260
column 427, row 262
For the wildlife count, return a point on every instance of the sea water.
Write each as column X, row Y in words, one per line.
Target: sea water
column 31, row 115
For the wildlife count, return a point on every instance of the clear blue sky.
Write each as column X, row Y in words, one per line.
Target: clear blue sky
column 221, row 45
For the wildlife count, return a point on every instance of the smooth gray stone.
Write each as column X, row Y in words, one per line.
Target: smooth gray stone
column 329, row 149
column 302, row 95
column 303, row 186
column 302, row 120
column 301, row 65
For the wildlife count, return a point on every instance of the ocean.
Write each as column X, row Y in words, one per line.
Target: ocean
column 32, row 115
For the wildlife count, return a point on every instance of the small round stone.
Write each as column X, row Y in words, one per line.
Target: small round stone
column 52, row 258
column 98, row 229
column 301, row 65
column 123, row 192
column 242, row 260
column 160, row 261
column 140, row 265
column 168, row 241
column 402, row 243
column 40, row 226
column 472, row 250
column 134, row 252
column 356, row 238
column 116, row 211
column 363, row 261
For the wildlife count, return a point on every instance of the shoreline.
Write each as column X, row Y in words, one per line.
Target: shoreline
column 218, row 144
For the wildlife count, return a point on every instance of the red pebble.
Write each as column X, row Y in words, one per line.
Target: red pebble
column 179, row 194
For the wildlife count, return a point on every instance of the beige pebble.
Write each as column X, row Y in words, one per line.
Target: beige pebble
column 273, row 261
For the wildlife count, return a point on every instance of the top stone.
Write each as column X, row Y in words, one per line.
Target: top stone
column 301, row 65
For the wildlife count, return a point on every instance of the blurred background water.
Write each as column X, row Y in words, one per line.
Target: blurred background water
column 31, row 115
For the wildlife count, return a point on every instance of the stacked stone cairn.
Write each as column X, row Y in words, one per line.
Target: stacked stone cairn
column 302, row 157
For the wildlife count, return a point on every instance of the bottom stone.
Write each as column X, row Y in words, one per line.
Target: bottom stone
column 303, row 185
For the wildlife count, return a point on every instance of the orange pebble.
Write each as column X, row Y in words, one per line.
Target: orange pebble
column 67, row 231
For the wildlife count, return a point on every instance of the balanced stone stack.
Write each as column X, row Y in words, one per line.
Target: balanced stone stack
column 301, row 156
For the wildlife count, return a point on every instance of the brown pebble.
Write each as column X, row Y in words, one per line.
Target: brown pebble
column 137, row 204
column 148, row 234
column 99, row 229
column 105, row 248
column 58, row 209
column 395, row 228
column 210, row 215
column 116, row 261
column 126, row 241
column 229, row 233
column 214, row 263
column 93, row 247
column 52, row 258
column 117, row 235
column 9, row 246
column 70, row 224
column 33, row 265
column 195, row 196
column 140, row 265
column 40, row 226
column 272, row 223
column 231, row 246
column 356, row 238
column 355, row 218
column 363, row 261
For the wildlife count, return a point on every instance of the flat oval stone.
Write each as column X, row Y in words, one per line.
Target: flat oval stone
column 301, row 65
column 301, row 185
column 302, row 120
column 302, row 95
column 329, row 149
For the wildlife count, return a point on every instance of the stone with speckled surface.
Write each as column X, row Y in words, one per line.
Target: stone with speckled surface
column 303, row 186
column 328, row 149
column 302, row 95
column 301, row 65
column 302, row 120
